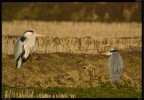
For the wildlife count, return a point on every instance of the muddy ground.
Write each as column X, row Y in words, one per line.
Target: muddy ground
column 70, row 70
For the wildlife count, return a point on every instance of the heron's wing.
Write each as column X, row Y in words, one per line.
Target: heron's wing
column 19, row 47
column 115, row 66
column 121, row 62
column 115, row 63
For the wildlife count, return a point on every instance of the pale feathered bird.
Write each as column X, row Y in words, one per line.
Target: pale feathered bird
column 115, row 64
column 24, row 47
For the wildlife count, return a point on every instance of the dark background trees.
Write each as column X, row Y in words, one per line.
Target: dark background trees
column 73, row 11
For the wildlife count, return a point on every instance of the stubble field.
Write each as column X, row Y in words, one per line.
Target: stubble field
column 60, row 60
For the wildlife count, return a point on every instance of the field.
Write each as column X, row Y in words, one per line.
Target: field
column 60, row 60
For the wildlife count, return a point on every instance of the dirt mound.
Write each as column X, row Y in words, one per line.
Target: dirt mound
column 69, row 70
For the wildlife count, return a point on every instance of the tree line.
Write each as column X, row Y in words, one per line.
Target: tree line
column 73, row 11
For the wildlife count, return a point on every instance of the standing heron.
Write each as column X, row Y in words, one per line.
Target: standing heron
column 115, row 64
column 24, row 47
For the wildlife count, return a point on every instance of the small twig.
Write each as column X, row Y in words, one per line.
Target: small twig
column 87, row 68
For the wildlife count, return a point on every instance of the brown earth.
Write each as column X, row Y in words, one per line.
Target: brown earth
column 70, row 70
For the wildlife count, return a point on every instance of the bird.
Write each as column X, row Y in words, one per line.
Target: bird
column 115, row 64
column 24, row 46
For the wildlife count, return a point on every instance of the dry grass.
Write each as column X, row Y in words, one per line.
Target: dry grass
column 70, row 70
column 73, row 37
column 30, row 94
column 74, row 29
column 74, row 45
column 64, row 69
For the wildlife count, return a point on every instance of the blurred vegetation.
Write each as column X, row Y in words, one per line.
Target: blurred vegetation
column 97, row 92
column 73, row 11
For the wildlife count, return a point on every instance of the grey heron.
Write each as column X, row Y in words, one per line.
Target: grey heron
column 115, row 64
column 24, row 47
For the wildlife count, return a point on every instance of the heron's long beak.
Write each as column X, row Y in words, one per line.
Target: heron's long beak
column 37, row 35
column 106, row 53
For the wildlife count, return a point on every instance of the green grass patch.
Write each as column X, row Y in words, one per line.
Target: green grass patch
column 97, row 92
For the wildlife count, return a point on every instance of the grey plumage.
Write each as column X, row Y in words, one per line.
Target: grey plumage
column 115, row 65
column 24, row 47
